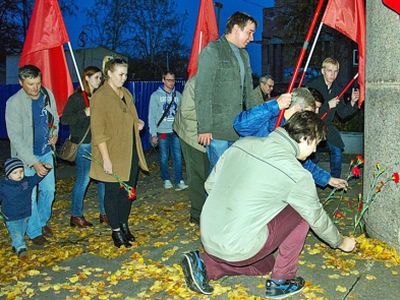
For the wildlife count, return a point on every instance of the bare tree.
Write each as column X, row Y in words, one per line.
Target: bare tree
column 150, row 31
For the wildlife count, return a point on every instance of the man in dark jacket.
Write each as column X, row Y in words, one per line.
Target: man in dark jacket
column 224, row 85
column 327, row 85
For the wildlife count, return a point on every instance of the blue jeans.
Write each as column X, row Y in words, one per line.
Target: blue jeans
column 168, row 145
column 82, row 183
column 17, row 229
column 41, row 206
column 335, row 154
column 216, row 149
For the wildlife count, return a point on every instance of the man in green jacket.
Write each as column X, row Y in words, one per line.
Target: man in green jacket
column 260, row 198
column 224, row 85
column 196, row 161
column 263, row 91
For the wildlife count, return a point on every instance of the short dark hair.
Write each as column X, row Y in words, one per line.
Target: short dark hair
column 166, row 72
column 305, row 124
column 317, row 95
column 238, row 18
column 29, row 71
column 264, row 78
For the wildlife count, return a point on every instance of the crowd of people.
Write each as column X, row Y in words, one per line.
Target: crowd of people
column 236, row 161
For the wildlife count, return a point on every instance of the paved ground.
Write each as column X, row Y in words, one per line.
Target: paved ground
column 83, row 263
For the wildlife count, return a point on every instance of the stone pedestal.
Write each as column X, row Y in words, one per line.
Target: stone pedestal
column 382, row 118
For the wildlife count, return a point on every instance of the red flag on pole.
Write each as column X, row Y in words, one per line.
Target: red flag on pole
column 43, row 47
column 393, row 4
column 348, row 17
column 206, row 31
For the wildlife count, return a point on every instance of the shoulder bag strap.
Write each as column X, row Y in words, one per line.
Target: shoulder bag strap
column 167, row 109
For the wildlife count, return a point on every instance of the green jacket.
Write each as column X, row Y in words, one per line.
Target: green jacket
column 253, row 181
column 218, row 94
column 257, row 96
column 185, row 122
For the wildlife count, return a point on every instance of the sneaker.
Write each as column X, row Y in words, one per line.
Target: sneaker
column 285, row 289
column 22, row 253
column 195, row 273
column 181, row 186
column 168, row 184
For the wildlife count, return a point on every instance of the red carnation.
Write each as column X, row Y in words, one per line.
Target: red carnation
column 395, row 177
column 132, row 194
column 356, row 171
column 360, row 159
column 339, row 215
column 360, row 206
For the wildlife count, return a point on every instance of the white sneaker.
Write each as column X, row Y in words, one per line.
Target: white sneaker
column 181, row 186
column 168, row 184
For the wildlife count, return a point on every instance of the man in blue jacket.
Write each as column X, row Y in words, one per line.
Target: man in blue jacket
column 260, row 121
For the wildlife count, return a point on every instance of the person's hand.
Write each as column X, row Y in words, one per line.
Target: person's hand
column 205, row 139
column 284, row 100
column 53, row 140
column 87, row 111
column 333, row 102
column 355, row 95
column 48, row 166
column 140, row 124
column 41, row 169
column 338, row 183
column 154, row 141
column 107, row 167
column 347, row 244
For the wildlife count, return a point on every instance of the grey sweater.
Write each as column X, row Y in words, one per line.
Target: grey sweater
column 159, row 101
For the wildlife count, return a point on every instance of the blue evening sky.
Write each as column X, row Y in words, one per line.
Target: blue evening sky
column 252, row 7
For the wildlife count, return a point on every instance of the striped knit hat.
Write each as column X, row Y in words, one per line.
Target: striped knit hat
column 11, row 164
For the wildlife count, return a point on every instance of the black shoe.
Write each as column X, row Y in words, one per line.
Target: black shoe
column 195, row 273
column 22, row 253
column 119, row 239
column 194, row 220
column 125, row 230
column 285, row 289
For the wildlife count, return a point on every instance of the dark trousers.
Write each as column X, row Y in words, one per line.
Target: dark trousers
column 116, row 202
column 197, row 166
column 286, row 232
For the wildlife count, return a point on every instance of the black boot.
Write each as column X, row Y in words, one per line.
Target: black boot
column 125, row 229
column 119, row 239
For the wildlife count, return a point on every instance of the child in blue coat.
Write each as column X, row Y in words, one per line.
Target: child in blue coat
column 16, row 201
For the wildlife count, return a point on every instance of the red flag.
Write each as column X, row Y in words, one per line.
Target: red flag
column 206, row 31
column 393, row 5
column 43, row 47
column 348, row 17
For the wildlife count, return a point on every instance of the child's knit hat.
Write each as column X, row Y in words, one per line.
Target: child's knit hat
column 11, row 164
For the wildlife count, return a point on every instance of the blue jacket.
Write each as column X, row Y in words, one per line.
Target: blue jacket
column 260, row 121
column 16, row 197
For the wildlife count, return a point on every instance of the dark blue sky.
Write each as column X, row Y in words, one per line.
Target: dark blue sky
column 253, row 7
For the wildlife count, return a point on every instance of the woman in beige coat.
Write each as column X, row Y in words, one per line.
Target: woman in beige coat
column 116, row 144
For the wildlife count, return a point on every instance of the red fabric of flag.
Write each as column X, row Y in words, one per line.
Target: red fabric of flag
column 393, row 5
column 348, row 17
column 206, row 31
column 43, row 47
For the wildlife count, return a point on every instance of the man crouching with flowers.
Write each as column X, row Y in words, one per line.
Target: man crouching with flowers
column 260, row 200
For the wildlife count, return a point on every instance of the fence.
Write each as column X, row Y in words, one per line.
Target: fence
column 142, row 91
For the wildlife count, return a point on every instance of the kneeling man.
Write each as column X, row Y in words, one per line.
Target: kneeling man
column 260, row 200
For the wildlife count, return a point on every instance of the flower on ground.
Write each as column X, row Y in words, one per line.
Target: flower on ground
column 395, row 177
column 356, row 171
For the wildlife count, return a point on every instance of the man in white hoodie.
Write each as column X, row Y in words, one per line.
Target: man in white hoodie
column 164, row 103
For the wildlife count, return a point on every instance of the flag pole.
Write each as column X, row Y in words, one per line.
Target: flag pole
column 84, row 94
column 341, row 94
column 310, row 54
column 301, row 56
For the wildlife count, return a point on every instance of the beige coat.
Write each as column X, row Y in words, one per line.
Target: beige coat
column 112, row 122
column 185, row 123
